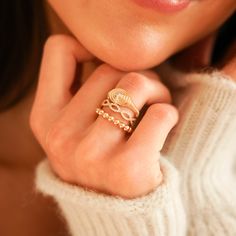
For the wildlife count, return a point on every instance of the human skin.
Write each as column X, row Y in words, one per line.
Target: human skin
column 66, row 125
column 18, row 163
column 129, row 37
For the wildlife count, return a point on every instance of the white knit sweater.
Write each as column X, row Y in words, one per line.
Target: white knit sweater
column 198, row 195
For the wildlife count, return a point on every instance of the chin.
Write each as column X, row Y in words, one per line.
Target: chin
column 133, row 58
column 131, row 63
column 128, row 61
column 139, row 50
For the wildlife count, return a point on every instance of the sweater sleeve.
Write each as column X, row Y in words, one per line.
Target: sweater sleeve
column 202, row 148
column 89, row 213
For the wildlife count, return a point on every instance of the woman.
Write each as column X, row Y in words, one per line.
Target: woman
column 108, row 181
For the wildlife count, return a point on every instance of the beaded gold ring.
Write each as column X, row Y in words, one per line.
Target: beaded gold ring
column 117, row 122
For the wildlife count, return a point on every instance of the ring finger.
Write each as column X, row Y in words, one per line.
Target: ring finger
column 144, row 89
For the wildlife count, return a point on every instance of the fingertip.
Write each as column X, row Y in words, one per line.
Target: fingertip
column 66, row 43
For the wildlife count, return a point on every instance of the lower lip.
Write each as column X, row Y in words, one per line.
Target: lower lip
column 164, row 5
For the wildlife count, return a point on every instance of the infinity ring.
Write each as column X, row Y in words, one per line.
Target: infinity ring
column 117, row 98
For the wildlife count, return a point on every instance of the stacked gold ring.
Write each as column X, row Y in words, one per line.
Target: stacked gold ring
column 105, row 115
column 120, row 97
column 116, row 108
column 115, row 98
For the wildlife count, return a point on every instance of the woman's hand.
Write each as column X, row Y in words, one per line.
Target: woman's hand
column 86, row 149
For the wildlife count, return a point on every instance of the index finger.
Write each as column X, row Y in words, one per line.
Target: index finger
column 61, row 56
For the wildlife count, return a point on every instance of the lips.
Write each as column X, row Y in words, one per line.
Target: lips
column 164, row 5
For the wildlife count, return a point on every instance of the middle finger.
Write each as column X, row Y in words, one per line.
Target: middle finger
column 143, row 88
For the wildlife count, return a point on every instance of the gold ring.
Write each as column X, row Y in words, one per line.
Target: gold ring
column 120, row 96
column 116, row 108
column 117, row 122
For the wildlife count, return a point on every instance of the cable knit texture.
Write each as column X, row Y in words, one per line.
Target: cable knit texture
column 197, row 196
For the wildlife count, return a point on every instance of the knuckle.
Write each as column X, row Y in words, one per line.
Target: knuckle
column 35, row 123
column 105, row 69
column 164, row 112
column 151, row 74
column 166, row 93
column 135, row 81
column 57, row 42
column 60, row 152
column 62, row 170
column 56, row 141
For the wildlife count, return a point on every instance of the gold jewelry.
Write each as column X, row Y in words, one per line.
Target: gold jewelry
column 121, row 125
column 121, row 97
column 116, row 108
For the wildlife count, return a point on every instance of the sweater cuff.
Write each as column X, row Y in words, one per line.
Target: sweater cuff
column 91, row 213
